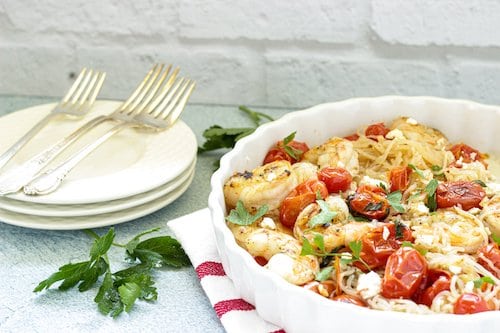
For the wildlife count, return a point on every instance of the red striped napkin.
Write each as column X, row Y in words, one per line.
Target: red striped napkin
column 194, row 232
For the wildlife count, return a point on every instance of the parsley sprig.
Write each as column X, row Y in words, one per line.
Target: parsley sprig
column 431, row 194
column 293, row 152
column 218, row 137
column 119, row 291
column 241, row 216
column 394, row 199
column 345, row 258
column 324, row 217
column 478, row 283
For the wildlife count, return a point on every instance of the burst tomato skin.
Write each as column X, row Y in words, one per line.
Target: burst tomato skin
column 492, row 253
column 436, row 282
column 375, row 130
column 470, row 303
column 370, row 202
column 404, row 272
column 400, row 178
column 303, row 195
column 463, row 193
column 467, row 154
column 375, row 250
column 352, row 137
column 350, row 299
column 336, row 179
column 278, row 152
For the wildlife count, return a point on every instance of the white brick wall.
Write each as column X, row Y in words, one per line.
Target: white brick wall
column 290, row 53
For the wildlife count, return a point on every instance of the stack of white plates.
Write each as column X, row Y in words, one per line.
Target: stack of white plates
column 131, row 175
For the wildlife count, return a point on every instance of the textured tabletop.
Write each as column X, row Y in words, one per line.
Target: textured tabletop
column 28, row 256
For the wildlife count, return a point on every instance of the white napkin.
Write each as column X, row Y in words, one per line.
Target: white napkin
column 194, row 232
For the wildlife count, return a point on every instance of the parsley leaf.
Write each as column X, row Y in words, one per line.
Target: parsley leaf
column 417, row 171
column 119, row 291
column 431, row 194
column 241, row 216
column 255, row 116
column 480, row 182
column 399, row 228
column 394, row 199
column 218, row 137
column 324, row 217
column 407, row 244
column 324, row 274
column 496, row 239
column 478, row 283
column 294, row 153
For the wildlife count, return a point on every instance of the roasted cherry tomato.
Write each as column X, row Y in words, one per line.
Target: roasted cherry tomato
column 467, row 153
column 261, row 260
column 352, row 137
column 278, row 152
column 492, row 253
column 470, row 303
column 335, row 179
column 370, row 202
column 463, row 193
column 377, row 245
column 400, row 178
column 437, row 281
column 351, row 299
column 405, row 270
column 304, row 194
column 374, row 130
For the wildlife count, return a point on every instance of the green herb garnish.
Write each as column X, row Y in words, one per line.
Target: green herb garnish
column 119, row 291
column 478, row 283
column 417, row 171
column 324, row 217
column 431, row 194
column 324, row 274
column 294, row 153
column 218, row 137
column 496, row 239
column 480, row 182
column 241, row 216
column 394, row 199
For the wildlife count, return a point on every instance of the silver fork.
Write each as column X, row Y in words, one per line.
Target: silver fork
column 76, row 103
column 13, row 181
column 158, row 115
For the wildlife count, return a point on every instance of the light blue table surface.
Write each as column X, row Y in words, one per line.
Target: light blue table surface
column 28, row 256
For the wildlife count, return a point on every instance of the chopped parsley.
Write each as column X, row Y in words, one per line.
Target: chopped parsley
column 431, row 194
column 241, row 216
column 324, row 217
column 394, row 199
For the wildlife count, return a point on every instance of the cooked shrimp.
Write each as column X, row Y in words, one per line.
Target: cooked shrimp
column 282, row 251
column 491, row 215
column 265, row 185
column 449, row 230
column 336, row 152
column 339, row 232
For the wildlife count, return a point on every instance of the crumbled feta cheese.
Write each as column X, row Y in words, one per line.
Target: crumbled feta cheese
column 340, row 164
column 474, row 211
column 455, row 269
column 395, row 133
column 411, row 121
column 422, row 208
column 271, row 176
column 494, row 186
column 268, row 223
column 426, row 239
column 386, row 233
column 372, row 181
column 469, row 286
column 369, row 285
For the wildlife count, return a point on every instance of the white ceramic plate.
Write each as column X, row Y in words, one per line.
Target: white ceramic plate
column 130, row 163
column 95, row 208
column 296, row 309
column 93, row 221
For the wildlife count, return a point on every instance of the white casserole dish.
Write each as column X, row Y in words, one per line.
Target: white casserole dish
column 296, row 309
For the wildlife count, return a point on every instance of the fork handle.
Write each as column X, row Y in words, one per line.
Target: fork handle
column 49, row 181
column 14, row 180
column 12, row 151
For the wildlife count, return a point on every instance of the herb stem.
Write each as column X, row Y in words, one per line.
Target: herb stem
column 91, row 233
